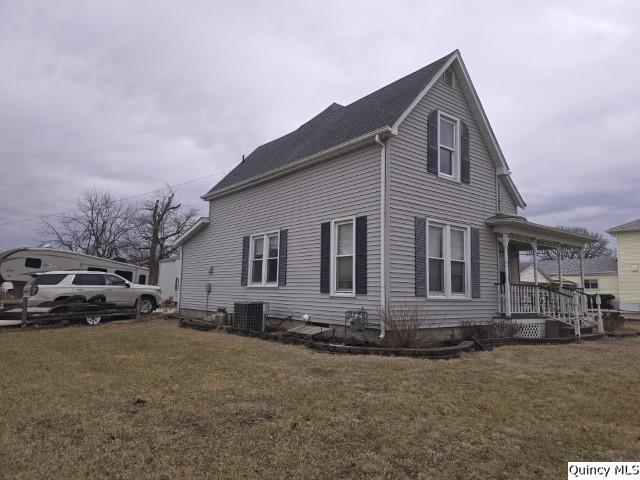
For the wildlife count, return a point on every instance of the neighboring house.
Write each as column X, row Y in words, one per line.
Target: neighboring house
column 402, row 197
column 169, row 277
column 600, row 274
column 628, row 239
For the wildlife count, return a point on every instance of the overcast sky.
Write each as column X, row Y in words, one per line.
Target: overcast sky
column 128, row 96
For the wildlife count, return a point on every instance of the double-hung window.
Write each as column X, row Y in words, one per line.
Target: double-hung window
column 591, row 283
column 342, row 254
column 448, row 264
column 264, row 256
column 448, row 150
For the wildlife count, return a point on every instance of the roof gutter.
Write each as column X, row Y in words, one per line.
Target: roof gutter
column 355, row 144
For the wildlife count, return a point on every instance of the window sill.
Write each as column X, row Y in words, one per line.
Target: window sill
column 457, row 298
column 263, row 286
column 449, row 178
column 342, row 295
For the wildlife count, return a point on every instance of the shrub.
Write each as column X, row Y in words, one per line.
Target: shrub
column 471, row 330
column 403, row 326
column 612, row 321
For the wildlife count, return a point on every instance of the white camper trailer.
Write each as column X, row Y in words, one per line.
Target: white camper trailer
column 19, row 264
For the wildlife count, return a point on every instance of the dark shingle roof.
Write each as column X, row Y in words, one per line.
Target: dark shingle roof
column 335, row 125
column 626, row 227
column 571, row 266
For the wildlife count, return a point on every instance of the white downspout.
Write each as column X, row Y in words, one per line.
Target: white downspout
column 383, row 232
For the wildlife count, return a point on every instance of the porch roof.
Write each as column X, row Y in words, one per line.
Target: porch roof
column 519, row 228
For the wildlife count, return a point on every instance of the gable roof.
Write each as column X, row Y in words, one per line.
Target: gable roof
column 337, row 125
column 200, row 224
column 626, row 227
column 571, row 266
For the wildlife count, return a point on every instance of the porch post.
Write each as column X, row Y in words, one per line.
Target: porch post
column 534, row 246
column 581, row 254
column 559, row 254
column 600, row 323
column 507, row 287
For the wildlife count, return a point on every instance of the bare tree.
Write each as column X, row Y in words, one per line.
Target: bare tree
column 99, row 226
column 158, row 224
column 598, row 248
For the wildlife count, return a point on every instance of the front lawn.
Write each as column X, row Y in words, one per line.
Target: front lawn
column 152, row 400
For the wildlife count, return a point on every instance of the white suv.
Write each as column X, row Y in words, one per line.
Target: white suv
column 81, row 286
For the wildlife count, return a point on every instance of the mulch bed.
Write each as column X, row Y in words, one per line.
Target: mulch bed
column 443, row 352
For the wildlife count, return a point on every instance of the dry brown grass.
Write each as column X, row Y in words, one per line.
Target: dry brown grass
column 221, row 406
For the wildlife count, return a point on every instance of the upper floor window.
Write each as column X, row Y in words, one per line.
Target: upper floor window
column 448, row 260
column 264, row 257
column 448, row 149
column 591, row 283
column 343, row 248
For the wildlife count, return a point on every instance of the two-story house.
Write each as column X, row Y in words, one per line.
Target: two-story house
column 628, row 240
column 402, row 197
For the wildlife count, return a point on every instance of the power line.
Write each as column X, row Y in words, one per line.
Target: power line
column 138, row 195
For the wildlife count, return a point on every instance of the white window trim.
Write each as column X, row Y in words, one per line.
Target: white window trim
column 457, row 145
column 332, row 271
column 446, row 245
column 265, row 258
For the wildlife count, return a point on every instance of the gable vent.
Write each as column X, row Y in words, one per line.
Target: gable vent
column 448, row 78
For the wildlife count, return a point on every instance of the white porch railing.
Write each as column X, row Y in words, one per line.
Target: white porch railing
column 572, row 307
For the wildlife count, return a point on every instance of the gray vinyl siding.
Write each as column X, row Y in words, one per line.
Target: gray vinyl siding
column 414, row 192
column 507, row 204
column 346, row 186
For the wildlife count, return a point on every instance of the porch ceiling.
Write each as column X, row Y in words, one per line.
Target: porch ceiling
column 522, row 230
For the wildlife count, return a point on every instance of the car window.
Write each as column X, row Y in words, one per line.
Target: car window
column 113, row 280
column 126, row 274
column 51, row 279
column 88, row 279
column 97, row 269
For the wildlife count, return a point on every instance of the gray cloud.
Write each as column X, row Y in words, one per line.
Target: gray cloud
column 128, row 96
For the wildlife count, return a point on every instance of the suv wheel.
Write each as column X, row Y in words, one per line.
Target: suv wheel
column 146, row 305
column 93, row 320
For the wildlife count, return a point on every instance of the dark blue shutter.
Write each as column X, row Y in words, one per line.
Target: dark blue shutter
column 245, row 260
column 475, row 263
column 465, row 158
column 282, row 258
column 325, row 256
column 432, row 150
column 420, row 257
column 361, row 255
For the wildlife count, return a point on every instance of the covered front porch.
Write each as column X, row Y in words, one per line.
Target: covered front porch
column 563, row 303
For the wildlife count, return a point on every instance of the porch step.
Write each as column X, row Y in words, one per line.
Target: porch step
column 558, row 329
